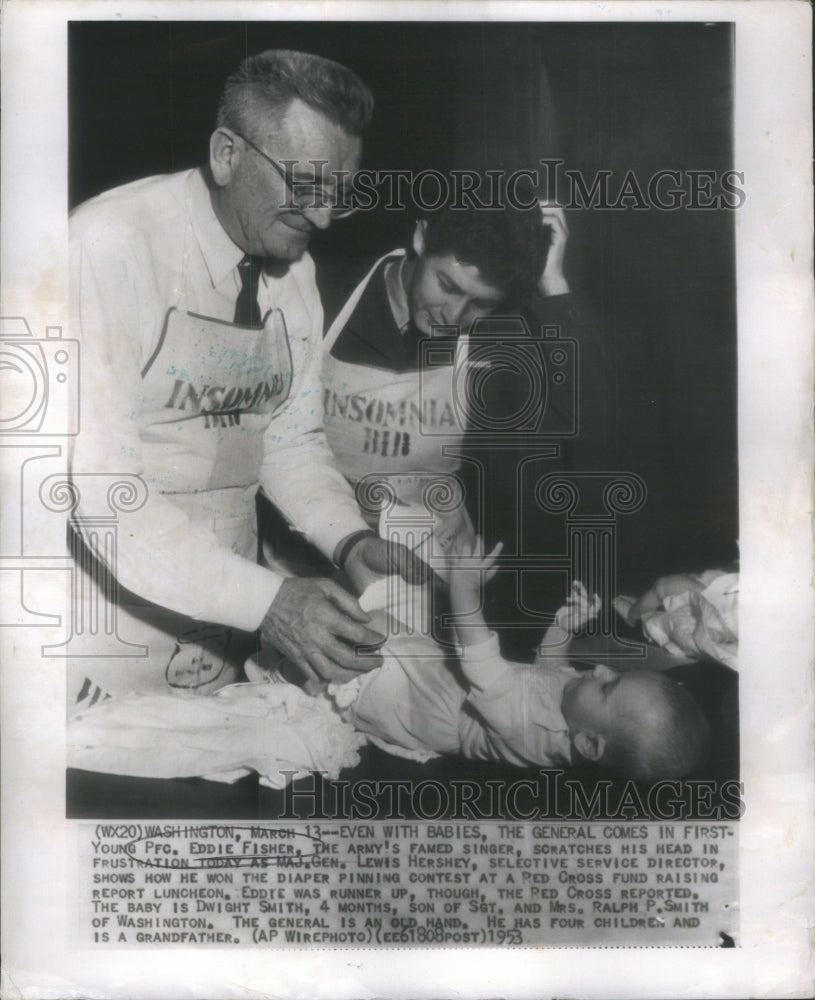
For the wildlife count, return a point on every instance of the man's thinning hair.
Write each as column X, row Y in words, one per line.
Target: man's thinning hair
column 267, row 84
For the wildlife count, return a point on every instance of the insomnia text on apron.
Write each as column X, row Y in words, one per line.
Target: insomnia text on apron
column 404, row 426
column 210, row 390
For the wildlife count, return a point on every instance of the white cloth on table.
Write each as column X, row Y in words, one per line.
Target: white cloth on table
column 698, row 623
column 268, row 728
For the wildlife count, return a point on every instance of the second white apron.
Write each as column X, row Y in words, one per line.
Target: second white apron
column 401, row 428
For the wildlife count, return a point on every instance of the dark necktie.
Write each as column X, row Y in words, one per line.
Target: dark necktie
column 247, row 310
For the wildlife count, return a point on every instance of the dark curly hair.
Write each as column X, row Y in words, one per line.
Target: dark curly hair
column 508, row 245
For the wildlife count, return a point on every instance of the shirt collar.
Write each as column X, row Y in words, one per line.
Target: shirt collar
column 397, row 296
column 220, row 254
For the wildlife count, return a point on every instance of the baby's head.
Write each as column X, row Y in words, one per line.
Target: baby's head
column 639, row 722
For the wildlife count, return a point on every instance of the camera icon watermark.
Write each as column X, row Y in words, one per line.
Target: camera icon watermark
column 40, row 381
column 506, row 380
column 424, row 512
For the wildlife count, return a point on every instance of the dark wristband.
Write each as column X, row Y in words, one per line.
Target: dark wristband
column 345, row 548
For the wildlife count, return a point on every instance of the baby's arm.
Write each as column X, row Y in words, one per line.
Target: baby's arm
column 575, row 613
column 470, row 569
column 510, row 713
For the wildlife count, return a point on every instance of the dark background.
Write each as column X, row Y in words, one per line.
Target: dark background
column 639, row 97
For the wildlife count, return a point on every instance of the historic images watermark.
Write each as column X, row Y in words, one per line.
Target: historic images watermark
column 549, row 794
column 311, row 186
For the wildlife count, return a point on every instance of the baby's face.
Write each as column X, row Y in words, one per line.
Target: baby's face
column 601, row 699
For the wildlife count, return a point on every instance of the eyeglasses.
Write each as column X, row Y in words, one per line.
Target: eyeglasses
column 306, row 196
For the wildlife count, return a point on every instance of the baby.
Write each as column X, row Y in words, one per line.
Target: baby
column 421, row 703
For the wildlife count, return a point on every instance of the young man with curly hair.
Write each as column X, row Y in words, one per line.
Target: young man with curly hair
column 398, row 408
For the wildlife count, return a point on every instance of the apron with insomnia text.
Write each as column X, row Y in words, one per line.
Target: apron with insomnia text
column 209, row 392
column 403, row 429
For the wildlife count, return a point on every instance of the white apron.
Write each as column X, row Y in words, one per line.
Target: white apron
column 398, row 427
column 210, row 390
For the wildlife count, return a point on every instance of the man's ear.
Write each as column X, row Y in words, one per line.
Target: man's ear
column 419, row 237
column 223, row 155
column 590, row 746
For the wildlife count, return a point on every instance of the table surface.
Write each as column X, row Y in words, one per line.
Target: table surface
column 624, row 655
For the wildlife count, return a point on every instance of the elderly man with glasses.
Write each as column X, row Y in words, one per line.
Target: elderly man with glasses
column 195, row 302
